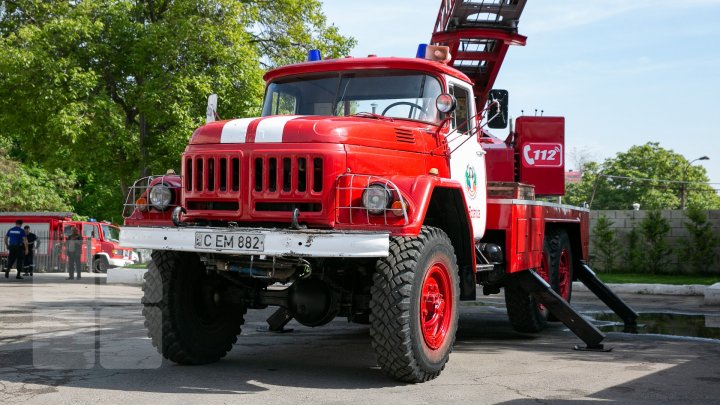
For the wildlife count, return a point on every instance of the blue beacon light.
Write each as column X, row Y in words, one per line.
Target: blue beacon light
column 314, row 55
column 422, row 48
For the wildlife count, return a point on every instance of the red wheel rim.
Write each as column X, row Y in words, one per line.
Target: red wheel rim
column 436, row 306
column 564, row 274
column 544, row 272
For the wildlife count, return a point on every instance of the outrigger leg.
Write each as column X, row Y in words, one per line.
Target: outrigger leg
column 544, row 294
column 588, row 277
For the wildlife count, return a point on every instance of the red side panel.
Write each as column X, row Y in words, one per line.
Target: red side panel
column 524, row 222
column 540, row 147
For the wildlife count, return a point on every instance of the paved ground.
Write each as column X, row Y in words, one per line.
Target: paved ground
column 84, row 342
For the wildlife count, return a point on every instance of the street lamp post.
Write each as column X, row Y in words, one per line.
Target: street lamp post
column 683, row 190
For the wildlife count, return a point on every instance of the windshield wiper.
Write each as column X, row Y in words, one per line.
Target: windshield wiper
column 372, row 115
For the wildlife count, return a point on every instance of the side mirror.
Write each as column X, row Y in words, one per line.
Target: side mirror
column 497, row 113
column 211, row 112
column 446, row 103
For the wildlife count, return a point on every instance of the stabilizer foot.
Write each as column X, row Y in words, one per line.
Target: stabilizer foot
column 277, row 321
column 597, row 348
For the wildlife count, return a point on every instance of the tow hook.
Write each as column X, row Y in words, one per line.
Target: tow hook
column 294, row 221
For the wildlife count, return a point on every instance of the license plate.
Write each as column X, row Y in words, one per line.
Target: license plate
column 235, row 241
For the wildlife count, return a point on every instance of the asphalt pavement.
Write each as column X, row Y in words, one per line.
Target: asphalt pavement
column 84, row 342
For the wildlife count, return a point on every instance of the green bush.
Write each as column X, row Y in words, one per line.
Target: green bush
column 607, row 245
column 656, row 253
column 697, row 252
column 633, row 256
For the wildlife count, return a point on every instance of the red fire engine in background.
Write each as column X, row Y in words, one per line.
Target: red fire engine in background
column 101, row 249
column 369, row 189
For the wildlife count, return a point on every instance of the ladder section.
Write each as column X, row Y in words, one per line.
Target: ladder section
column 479, row 34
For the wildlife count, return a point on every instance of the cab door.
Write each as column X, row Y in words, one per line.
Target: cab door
column 467, row 158
column 91, row 243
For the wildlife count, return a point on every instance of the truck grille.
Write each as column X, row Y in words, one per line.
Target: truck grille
column 212, row 174
column 294, row 174
column 277, row 182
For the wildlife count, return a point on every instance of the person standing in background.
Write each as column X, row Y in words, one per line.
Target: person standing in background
column 73, row 250
column 17, row 246
column 33, row 243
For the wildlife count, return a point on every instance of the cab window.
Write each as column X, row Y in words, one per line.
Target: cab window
column 397, row 94
column 112, row 233
column 88, row 231
column 281, row 103
column 460, row 117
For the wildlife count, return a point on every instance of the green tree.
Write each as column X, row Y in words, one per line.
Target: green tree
column 634, row 252
column 24, row 188
column 654, row 229
column 698, row 251
column 607, row 245
column 620, row 181
column 112, row 89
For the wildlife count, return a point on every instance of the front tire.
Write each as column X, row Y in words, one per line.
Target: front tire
column 414, row 306
column 100, row 265
column 184, row 319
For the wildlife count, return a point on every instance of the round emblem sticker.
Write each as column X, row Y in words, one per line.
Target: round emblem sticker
column 471, row 181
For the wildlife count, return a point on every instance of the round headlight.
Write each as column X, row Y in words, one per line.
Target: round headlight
column 160, row 196
column 376, row 198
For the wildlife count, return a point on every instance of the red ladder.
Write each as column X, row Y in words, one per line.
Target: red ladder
column 479, row 34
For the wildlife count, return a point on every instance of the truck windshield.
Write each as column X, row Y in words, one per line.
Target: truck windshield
column 112, row 233
column 408, row 95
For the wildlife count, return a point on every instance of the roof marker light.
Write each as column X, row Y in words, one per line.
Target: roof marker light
column 314, row 55
column 422, row 48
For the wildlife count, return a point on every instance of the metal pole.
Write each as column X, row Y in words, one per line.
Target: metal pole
column 683, row 189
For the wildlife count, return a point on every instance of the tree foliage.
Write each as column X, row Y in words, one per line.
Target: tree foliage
column 698, row 251
column 112, row 89
column 607, row 244
column 30, row 188
column 616, row 183
column 654, row 230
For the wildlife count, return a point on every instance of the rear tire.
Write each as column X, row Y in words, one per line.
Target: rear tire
column 184, row 320
column 414, row 306
column 525, row 313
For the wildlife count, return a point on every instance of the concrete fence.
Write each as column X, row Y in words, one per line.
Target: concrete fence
column 625, row 220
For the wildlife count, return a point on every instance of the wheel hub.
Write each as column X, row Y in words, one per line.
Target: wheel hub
column 436, row 306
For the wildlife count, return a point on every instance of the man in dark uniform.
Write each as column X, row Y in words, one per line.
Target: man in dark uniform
column 73, row 250
column 33, row 243
column 17, row 246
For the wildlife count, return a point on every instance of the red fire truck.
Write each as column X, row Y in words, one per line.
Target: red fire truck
column 100, row 250
column 368, row 189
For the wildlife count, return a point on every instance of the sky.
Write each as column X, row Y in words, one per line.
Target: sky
column 622, row 73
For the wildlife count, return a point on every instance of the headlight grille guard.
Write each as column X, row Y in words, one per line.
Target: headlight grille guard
column 139, row 192
column 350, row 209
